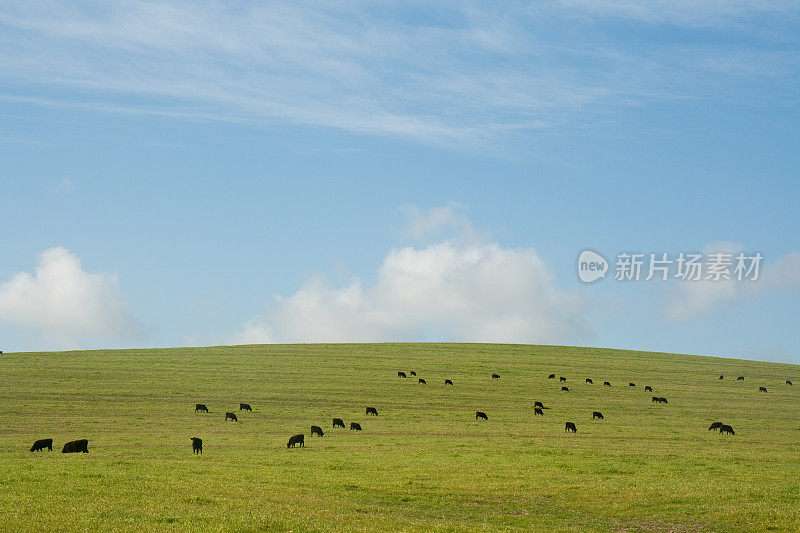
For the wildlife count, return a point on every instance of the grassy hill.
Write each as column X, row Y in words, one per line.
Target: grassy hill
column 425, row 463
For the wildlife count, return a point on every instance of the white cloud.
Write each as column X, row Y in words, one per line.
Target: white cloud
column 67, row 305
column 452, row 290
column 784, row 273
column 436, row 223
column 692, row 299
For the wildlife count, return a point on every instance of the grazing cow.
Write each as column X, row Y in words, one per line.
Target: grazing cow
column 631, row 384
column 787, row 381
column 538, row 404
column 481, row 414
column 663, row 400
column 338, row 423
column 372, row 411
column 423, row 381
column 76, row 446
column 762, row 389
column 721, row 377
column 355, row 426
column 715, row 426
column 606, row 383
column 551, row 376
column 566, row 389
column 41, row 444
column 201, row 407
column 448, row 382
column 597, row 414
column 648, row 388
column 297, row 439
column 413, row 373
column 725, row 428
column 740, row 378
column 538, row 411
column 589, row 380
column 231, row 416
column 495, row 376
column 562, row 378
column 401, row 374
column 570, row 427
column 197, row 445
column 245, row 407
column 316, row 430
column 656, row 399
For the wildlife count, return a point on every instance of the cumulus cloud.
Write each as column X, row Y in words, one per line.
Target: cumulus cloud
column 454, row 290
column 437, row 223
column 691, row 299
column 67, row 305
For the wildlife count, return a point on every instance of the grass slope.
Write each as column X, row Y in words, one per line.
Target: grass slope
column 423, row 464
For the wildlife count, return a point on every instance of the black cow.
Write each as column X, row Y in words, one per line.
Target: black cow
column 413, row 373
column 762, row 389
column 481, row 414
column 721, row 377
column 648, row 388
column 551, row 376
column 538, row 404
column 41, row 444
column 423, row 381
column 787, row 381
column 589, row 380
column 715, row 426
column 355, row 426
column 200, row 407
column 495, row 376
column 725, row 428
column 448, row 382
column 570, row 427
column 597, row 414
column 662, row 400
column 565, row 389
column 606, row 383
column 245, row 407
column 562, row 378
column 297, row 439
column 316, row 430
column 401, row 374
column 76, row 446
column 372, row 411
column 538, row 411
column 197, row 445
column 338, row 423
column 740, row 378
column 231, row 416
column 631, row 384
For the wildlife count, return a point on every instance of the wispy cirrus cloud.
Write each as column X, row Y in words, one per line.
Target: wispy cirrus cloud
column 446, row 73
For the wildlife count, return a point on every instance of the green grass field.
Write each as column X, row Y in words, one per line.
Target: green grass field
column 424, row 464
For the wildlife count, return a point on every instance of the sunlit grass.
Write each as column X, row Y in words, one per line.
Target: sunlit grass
column 424, row 463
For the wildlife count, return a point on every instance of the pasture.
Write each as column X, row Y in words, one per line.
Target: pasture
column 424, row 463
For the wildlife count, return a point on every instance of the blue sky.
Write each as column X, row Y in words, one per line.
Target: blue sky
column 180, row 173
